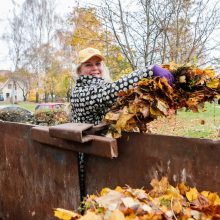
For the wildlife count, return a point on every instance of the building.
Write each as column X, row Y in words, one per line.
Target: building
column 10, row 89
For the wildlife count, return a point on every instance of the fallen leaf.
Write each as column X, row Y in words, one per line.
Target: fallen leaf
column 65, row 214
column 192, row 194
column 117, row 215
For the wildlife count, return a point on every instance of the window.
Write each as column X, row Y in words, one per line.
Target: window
column 7, row 95
column 9, row 86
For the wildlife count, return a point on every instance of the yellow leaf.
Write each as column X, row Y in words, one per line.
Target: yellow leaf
column 214, row 84
column 118, row 189
column 205, row 193
column 123, row 118
column 192, row 194
column 209, row 72
column 117, row 215
column 104, row 191
column 65, row 214
column 174, row 192
column 154, row 113
column 177, row 206
column 212, row 197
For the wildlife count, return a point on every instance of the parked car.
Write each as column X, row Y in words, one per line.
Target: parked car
column 15, row 113
column 49, row 106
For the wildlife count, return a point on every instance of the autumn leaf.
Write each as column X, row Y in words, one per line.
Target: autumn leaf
column 117, row 215
column 104, row 191
column 118, row 189
column 192, row 194
column 182, row 188
column 65, row 214
column 176, row 206
column 209, row 72
column 164, row 201
column 155, row 112
column 91, row 216
column 162, row 106
column 212, row 197
column 159, row 187
column 110, row 200
column 112, row 116
column 145, row 110
column 154, row 97
column 214, row 84
column 124, row 117
column 198, row 71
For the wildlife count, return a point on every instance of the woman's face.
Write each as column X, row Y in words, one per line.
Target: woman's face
column 92, row 67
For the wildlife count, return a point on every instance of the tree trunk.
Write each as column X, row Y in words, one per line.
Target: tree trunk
column 46, row 96
column 37, row 97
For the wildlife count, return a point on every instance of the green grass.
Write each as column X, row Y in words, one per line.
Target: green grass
column 211, row 111
column 189, row 124
column 28, row 105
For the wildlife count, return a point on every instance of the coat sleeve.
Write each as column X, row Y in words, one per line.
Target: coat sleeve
column 109, row 91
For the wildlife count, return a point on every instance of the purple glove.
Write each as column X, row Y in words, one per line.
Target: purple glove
column 158, row 71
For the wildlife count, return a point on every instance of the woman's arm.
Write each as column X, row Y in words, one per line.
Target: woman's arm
column 109, row 91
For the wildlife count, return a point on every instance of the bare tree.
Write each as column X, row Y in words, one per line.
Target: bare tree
column 16, row 44
column 161, row 31
column 41, row 28
column 189, row 32
column 31, row 37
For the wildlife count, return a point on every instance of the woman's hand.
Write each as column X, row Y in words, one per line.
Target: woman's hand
column 161, row 72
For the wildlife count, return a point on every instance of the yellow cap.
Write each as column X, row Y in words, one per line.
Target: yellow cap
column 88, row 53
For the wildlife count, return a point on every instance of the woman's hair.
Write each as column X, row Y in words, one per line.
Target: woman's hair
column 105, row 74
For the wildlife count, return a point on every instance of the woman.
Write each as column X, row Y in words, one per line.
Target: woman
column 94, row 94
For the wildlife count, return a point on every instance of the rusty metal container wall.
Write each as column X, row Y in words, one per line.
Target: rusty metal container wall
column 143, row 157
column 35, row 177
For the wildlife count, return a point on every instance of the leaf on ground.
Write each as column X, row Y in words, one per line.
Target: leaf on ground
column 117, row 215
column 65, row 214
column 192, row 194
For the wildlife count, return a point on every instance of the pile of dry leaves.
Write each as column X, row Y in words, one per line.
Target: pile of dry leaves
column 49, row 118
column 154, row 97
column 162, row 202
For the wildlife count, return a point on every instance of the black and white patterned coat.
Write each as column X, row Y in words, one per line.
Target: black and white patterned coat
column 92, row 97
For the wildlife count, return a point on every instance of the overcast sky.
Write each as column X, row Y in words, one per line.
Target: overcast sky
column 63, row 7
column 4, row 11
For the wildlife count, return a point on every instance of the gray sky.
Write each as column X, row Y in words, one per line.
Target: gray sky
column 63, row 7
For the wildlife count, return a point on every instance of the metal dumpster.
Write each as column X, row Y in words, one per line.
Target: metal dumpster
column 34, row 177
column 39, row 167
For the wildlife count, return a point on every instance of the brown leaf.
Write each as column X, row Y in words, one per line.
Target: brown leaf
column 159, row 187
